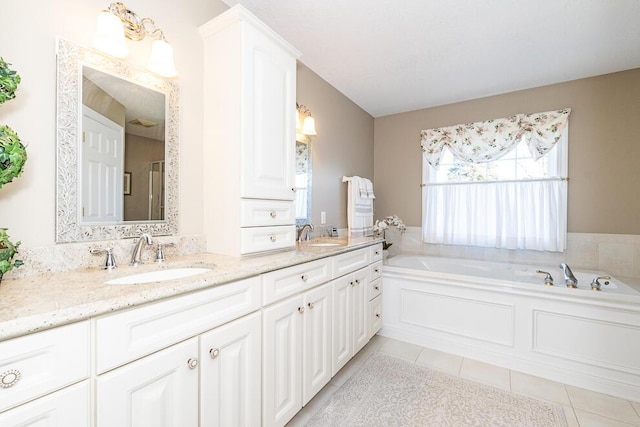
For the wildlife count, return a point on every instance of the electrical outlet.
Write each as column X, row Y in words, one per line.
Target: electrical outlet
column 323, row 217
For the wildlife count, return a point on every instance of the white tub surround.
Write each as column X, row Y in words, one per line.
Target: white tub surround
column 505, row 315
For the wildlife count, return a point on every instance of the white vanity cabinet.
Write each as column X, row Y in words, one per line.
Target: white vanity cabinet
column 375, row 299
column 46, row 364
column 296, row 353
column 68, row 407
column 249, row 135
column 230, row 373
column 181, row 362
column 351, row 316
column 210, row 380
column 158, row 390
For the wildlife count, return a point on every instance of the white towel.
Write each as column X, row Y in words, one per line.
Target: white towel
column 359, row 206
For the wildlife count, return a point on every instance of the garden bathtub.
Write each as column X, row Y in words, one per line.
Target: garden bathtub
column 503, row 314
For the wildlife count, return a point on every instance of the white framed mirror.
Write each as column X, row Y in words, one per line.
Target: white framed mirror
column 117, row 148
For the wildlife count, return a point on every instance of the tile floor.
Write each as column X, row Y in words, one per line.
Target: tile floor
column 583, row 408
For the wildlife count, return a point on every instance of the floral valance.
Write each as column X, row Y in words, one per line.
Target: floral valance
column 486, row 141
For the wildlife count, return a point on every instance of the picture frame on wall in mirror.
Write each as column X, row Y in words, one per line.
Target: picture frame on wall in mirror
column 126, row 185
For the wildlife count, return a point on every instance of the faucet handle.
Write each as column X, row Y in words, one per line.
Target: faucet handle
column 548, row 280
column 110, row 262
column 595, row 283
column 160, row 251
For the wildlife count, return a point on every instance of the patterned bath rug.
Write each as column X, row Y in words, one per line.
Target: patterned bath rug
column 391, row 392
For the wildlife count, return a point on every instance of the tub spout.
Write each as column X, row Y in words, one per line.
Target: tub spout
column 569, row 279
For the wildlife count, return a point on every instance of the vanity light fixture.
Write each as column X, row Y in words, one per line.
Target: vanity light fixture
column 305, row 124
column 117, row 22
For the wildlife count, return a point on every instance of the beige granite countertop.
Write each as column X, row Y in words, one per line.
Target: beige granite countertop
column 48, row 300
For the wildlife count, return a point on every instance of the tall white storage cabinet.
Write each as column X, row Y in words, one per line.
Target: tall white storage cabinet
column 249, row 135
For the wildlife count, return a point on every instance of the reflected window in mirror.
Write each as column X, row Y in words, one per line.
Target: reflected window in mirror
column 303, row 182
column 130, row 118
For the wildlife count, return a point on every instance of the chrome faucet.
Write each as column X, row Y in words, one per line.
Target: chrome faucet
column 304, row 232
column 137, row 249
column 569, row 279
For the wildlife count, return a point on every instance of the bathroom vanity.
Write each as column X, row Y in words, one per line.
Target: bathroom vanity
column 247, row 343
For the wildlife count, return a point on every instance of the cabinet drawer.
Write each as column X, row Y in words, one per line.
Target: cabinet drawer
column 376, row 252
column 288, row 281
column 68, row 407
column 126, row 336
column 375, row 310
column 260, row 213
column 376, row 270
column 43, row 362
column 259, row 239
column 351, row 261
column 375, row 288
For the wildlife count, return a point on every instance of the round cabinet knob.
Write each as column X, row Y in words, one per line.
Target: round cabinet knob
column 357, row 281
column 214, row 352
column 304, row 277
column 9, row 378
column 378, row 315
column 377, row 288
column 293, row 189
column 310, row 305
column 272, row 238
column 377, row 252
column 273, row 214
column 192, row 363
column 301, row 310
column 377, row 270
column 352, row 283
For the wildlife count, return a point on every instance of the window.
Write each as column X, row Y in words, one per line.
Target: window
column 511, row 201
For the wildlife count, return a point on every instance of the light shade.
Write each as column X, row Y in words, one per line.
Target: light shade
column 161, row 59
column 110, row 35
column 309, row 126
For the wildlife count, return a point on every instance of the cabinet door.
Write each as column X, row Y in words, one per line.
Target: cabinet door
column 360, row 306
column 375, row 315
column 230, row 374
column 317, row 350
column 160, row 390
column 68, row 407
column 268, row 145
column 282, row 361
column 342, row 322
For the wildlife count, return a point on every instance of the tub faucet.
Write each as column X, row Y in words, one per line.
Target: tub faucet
column 137, row 249
column 304, row 232
column 569, row 279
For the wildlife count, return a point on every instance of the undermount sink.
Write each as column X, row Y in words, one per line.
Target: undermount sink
column 157, row 276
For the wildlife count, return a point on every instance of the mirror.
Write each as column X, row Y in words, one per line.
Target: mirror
column 303, row 182
column 133, row 188
column 123, row 144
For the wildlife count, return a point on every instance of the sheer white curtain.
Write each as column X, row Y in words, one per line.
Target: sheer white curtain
column 509, row 215
column 526, row 214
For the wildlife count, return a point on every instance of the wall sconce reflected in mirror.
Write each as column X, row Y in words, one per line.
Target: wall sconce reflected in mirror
column 305, row 124
column 117, row 22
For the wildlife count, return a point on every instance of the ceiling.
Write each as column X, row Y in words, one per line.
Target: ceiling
column 391, row 56
column 144, row 107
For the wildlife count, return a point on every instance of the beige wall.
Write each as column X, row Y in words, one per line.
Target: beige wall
column 343, row 146
column 604, row 149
